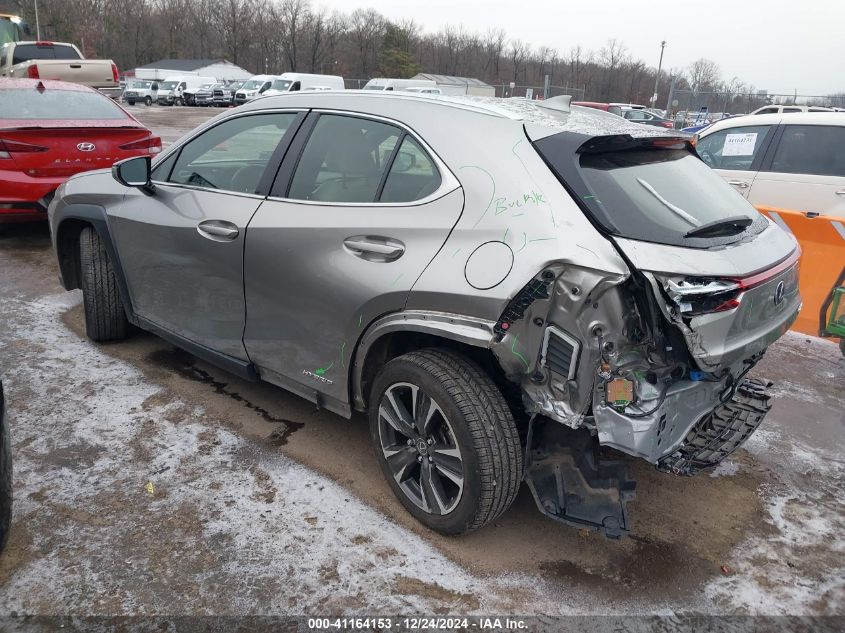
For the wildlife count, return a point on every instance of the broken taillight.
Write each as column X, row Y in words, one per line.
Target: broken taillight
column 704, row 295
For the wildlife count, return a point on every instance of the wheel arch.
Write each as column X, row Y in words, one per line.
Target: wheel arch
column 403, row 332
column 68, row 223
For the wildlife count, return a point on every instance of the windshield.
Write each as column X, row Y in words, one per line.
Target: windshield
column 252, row 84
column 168, row 85
column 206, row 86
column 57, row 105
column 281, row 84
column 142, row 85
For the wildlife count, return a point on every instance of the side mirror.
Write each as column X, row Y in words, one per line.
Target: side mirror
column 134, row 172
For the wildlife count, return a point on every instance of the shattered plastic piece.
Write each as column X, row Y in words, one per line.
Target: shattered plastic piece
column 725, row 570
column 722, row 431
column 150, row 488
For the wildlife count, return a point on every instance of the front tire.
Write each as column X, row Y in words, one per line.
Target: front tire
column 105, row 318
column 445, row 440
column 148, row 101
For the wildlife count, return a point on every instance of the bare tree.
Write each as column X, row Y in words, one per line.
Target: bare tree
column 517, row 52
column 366, row 26
column 703, row 74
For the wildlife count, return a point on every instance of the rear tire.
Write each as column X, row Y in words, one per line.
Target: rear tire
column 148, row 101
column 105, row 318
column 459, row 467
column 130, row 101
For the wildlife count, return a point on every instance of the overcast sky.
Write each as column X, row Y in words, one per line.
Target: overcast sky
column 776, row 45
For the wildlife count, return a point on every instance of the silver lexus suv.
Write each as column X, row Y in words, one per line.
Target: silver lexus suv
column 511, row 290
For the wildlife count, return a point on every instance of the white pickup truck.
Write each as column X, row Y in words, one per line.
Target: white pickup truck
column 58, row 60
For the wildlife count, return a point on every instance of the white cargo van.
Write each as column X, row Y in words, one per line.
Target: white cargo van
column 291, row 82
column 253, row 87
column 380, row 83
column 170, row 90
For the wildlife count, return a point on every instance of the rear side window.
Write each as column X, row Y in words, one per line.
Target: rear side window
column 651, row 193
column 734, row 148
column 811, row 149
column 57, row 105
column 344, row 160
column 412, row 176
column 25, row 52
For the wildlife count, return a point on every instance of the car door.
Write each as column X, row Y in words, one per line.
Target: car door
column 181, row 247
column 806, row 171
column 359, row 209
column 736, row 153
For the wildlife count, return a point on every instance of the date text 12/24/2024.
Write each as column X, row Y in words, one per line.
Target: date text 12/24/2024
column 417, row 624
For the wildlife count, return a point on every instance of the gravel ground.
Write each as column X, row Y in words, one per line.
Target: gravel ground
column 147, row 482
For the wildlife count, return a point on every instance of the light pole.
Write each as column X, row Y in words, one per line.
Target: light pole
column 657, row 77
column 37, row 23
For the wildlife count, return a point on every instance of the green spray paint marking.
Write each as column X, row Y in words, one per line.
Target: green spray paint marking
column 323, row 370
column 342, row 347
column 518, row 355
column 531, row 176
column 456, row 252
column 588, row 197
column 505, row 236
column 542, row 239
column 396, row 281
column 492, row 194
column 524, row 242
column 360, row 318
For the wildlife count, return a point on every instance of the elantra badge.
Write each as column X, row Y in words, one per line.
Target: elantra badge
column 86, row 147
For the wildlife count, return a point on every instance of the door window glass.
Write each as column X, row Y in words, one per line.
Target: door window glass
column 734, row 148
column 811, row 149
column 412, row 175
column 635, row 115
column 232, row 156
column 344, row 160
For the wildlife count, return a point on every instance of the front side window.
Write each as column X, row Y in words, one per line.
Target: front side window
column 344, row 160
column 811, row 149
column 231, row 156
column 733, row 148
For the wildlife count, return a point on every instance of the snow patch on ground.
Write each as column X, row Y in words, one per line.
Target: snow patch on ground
column 777, row 571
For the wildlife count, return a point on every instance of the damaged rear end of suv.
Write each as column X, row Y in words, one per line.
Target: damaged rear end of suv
column 653, row 363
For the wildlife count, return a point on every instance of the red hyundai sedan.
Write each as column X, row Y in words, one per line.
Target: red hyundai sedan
column 51, row 130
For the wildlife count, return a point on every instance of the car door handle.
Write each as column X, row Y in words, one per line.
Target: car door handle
column 738, row 183
column 841, row 192
column 374, row 248
column 218, row 230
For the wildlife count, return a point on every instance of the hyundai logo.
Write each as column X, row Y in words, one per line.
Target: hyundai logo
column 779, row 292
column 86, row 147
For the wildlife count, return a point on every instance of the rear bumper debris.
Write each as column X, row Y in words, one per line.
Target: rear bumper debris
column 722, row 431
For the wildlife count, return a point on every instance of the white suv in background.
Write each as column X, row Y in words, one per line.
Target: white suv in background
column 780, row 160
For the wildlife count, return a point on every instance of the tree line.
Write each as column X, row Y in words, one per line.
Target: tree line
column 275, row 36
